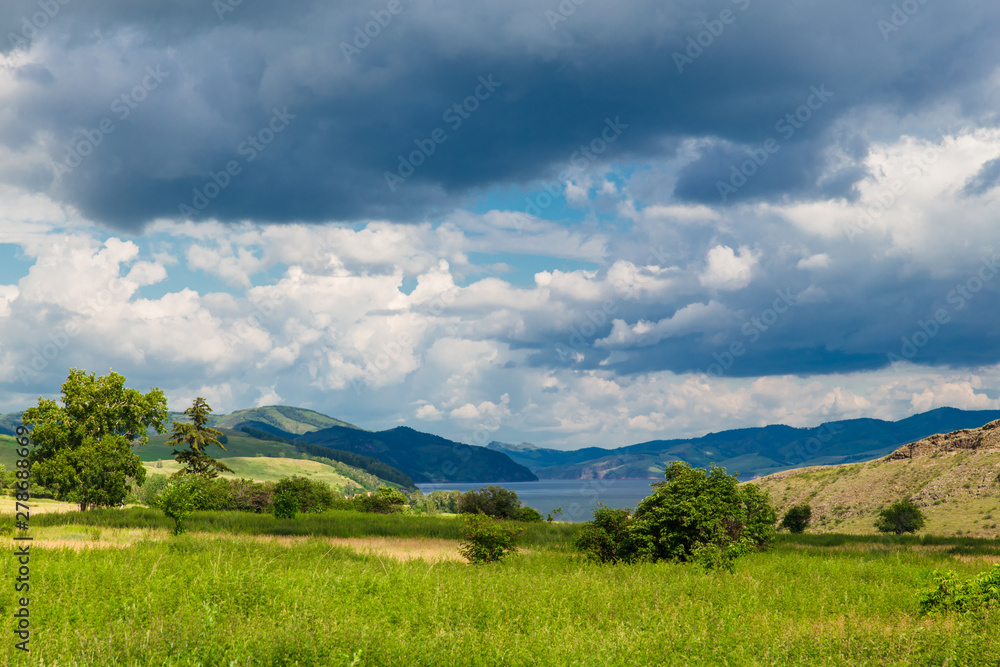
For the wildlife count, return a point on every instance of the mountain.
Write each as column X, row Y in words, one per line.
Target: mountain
column 751, row 451
column 279, row 419
column 954, row 477
column 268, row 457
column 423, row 456
column 9, row 423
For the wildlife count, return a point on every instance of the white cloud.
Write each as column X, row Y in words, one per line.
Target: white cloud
column 728, row 270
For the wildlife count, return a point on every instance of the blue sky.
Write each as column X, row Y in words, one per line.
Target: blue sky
column 565, row 224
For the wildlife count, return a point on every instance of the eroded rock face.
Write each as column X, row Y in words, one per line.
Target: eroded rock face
column 985, row 438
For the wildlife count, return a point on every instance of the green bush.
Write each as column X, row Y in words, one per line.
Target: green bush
column 310, row 496
column 694, row 515
column 385, row 500
column 486, row 539
column 797, row 519
column 972, row 595
column 247, row 495
column 900, row 517
column 178, row 500
column 603, row 539
column 285, row 504
column 497, row 502
column 150, row 488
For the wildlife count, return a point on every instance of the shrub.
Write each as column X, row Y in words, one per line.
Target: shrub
column 310, row 496
column 285, row 504
column 694, row 515
column 385, row 500
column 529, row 514
column 178, row 500
column 486, row 539
column 249, row 496
column 972, row 595
column 900, row 517
column 497, row 502
column 797, row 518
column 150, row 487
column 603, row 539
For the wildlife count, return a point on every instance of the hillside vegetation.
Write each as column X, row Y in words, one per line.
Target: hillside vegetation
column 954, row 478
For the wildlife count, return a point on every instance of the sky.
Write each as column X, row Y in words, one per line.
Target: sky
column 566, row 223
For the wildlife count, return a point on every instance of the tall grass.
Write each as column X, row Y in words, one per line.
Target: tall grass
column 335, row 523
column 224, row 600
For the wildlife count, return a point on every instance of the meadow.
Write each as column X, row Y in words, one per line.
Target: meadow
column 113, row 587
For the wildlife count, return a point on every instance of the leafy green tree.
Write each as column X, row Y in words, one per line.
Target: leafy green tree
column 604, row 538
column 83, row 448
column 497, row 502
column 901, row 517
column 178, row 500
column 385, row 500
column 797, row 518
column 486, row 539
column 197, row 436
column 285, row 504
column 694, row 515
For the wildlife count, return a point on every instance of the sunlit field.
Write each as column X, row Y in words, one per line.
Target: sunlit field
column 343, row 588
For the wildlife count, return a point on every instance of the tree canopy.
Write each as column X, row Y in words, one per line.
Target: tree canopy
column 197, row 437
column 83, row 448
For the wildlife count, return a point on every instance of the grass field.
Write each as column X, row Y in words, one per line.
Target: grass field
column 264, row 469
column 114, row 588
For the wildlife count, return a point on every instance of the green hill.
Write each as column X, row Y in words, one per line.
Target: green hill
column 954, row 477
column 280, row 419
column 423, row 456
column 240, row 445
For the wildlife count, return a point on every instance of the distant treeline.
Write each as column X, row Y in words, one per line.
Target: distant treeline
column 360, row 461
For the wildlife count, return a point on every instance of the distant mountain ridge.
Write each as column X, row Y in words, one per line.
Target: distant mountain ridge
column 751, row 451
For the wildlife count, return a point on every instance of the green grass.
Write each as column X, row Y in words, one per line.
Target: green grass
column 268, row 470
column 239, row 445
column 231, row 600
column 8, row 451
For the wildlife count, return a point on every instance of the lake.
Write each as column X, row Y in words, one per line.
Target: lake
column 576, row 497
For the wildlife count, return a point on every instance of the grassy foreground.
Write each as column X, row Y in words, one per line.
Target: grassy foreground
column 230, row 598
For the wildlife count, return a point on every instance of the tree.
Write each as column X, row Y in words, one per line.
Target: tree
column 83, row 448
column 385, row 500
column 486, row 539
column 198, row 436
column 901, row 517
column 178, row 500
column 797, row 518
column 494, row 501
column 694, row 515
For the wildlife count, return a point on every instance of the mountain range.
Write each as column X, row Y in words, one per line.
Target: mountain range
column 751, row 452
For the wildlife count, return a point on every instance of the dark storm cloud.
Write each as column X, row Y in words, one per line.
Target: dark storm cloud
column 352, row 111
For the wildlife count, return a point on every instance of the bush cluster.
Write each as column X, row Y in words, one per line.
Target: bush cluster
column 486, row 539
column 694, row 515
column 496, row 502
column 901, row 517
column 979, row 593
